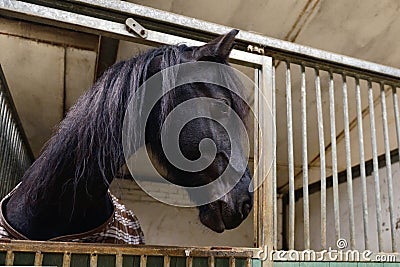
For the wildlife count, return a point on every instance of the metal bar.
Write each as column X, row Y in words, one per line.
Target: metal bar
column 362, row 164
column 334, row 156
column 257, row 219
column 274, row 174
column 232, row 262
column 396, row 115
column 322, row 156
column 265, row 145
column 211, row 261
column 290, row 156
column 375, row 166
column 174, row 24
column 306, row 206
column 66, row 259
column 189, row 261
column 7, row 151
column 10, row 258
column 178, row 24
column 10, row 104
column 2, row 143
column 119, row 261
column 74, row 21
column 68, row 248
column 167, row 261
column 93, row 260
column 143, row 260
column 348, row 163
column 38, row 258
column 248, row 263
column 13, row 158
column 21, row 169
column 388, row 168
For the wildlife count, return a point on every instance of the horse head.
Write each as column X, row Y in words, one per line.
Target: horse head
column 213, row 141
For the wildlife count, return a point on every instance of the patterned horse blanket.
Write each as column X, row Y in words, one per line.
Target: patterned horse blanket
column 121, row 228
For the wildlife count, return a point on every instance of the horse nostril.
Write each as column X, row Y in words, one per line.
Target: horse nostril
column 245, row 209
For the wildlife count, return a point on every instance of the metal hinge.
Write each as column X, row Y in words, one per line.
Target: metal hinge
column 134, row 27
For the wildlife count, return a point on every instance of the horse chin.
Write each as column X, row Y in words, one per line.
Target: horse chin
column 218, row 217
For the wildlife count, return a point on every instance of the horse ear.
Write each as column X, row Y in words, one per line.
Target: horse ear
column 220, row 46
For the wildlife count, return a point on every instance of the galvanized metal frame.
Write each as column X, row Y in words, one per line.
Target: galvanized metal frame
column 16, row 154
column 167, row 28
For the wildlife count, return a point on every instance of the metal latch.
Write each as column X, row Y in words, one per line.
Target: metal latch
column 134, row 27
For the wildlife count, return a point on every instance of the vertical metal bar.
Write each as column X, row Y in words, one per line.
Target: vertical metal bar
column 334, row 156
column 397, row 121
column 265, row 145
column 349, row 174
column 9, row 258
column 396, row 115
column 167, row 261
column 93, row 260
column 119, row 260
column 375, row 166
column 305, row 159
column 232, row 262
column 248, row 262
column 143, row 260
column 211, row 261
column 14, row 159
column 7, row 151
column 322, row 156
column 67, row 259
column 189, row 261
column 274, row 183
column 2, row 143
column 20, row 158
column 362, row 163
column 388, row 168
column 38, row 259
column 290, row 155
column 257, row 220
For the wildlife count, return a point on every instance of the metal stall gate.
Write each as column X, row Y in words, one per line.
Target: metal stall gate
column 335, row 120
column 15, row 153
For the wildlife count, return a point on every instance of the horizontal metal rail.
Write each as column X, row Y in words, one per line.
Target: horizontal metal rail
column 94, row 25
column 191, row 28
column 83, row 248
column 112, row 13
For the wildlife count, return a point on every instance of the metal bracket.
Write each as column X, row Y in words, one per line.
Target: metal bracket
column 134, row 27
column 256, row 49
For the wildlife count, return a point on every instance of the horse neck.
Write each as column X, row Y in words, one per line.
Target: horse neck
column 50, row 202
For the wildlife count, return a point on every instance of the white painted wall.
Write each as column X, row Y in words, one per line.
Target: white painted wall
column 315, row 225
column 169, row 225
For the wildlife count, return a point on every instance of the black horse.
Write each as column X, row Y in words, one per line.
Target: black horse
column 65, row 191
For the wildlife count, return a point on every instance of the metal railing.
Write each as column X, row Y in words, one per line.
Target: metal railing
column 337, row 123
column 73, row 254
column 15, row 153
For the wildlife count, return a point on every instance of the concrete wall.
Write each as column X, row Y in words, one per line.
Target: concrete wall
column 46, row 70
column 315, row 224
column 169, row 225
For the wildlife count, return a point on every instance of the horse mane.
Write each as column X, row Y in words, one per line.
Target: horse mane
column 87, row 144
